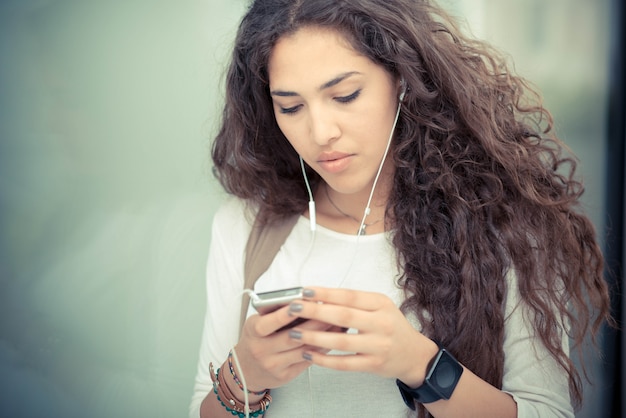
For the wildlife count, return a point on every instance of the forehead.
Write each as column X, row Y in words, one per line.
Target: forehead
column 316, row 54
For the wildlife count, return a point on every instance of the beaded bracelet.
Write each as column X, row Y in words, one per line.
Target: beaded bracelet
column 232, row 404
column 236, row 379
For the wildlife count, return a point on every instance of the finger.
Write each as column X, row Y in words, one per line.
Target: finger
column 336, row 315
column 352, row 343
column 282, row 367
column 309, row 324
column 265, row 325
column 357, row 299
column 276, row 363
column 314, row 325
column 335, row 328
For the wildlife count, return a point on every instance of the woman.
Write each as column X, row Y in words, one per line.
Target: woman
column 443, row 211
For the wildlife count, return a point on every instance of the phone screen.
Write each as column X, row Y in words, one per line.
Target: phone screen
column 267, row 302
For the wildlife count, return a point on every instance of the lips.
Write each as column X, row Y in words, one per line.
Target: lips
column 334, row 162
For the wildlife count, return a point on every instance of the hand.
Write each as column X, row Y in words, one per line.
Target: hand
column 386, row 344
column 268, row 357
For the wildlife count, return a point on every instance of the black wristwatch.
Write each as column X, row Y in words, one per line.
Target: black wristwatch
column 444, row 372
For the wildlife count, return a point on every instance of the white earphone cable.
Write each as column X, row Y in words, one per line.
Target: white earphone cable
column 380, row 168
column 253, row 296
column 243, row 382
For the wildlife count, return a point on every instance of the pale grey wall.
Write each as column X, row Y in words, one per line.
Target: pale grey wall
column 106, row 197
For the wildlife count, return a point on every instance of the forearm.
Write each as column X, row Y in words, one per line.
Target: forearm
column 473, row 397
column 406, row 353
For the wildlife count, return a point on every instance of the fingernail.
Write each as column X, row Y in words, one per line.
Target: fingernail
column 296, row 335
column 295, row 307
column 308, row 293
column 307, row 356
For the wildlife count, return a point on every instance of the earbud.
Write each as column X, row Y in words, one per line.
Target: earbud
column 402, row 90
column 312, row 219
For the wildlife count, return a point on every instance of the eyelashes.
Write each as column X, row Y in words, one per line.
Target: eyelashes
column 349, row 98
column 342, row 99
column 290, row 110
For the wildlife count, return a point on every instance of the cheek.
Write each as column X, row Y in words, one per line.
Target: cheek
column 376, row 128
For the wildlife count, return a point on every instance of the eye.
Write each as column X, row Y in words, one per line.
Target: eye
column 349, row 98
column 290, row 110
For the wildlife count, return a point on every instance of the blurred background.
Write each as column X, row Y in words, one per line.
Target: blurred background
column 107, row 109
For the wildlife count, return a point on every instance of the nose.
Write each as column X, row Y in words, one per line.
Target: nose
column 323, row 125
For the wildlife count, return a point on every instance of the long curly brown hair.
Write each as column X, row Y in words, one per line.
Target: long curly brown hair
column 481, row 185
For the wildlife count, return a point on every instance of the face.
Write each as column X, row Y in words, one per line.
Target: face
column 335, row 106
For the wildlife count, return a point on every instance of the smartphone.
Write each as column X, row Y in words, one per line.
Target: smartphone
column 267, row 302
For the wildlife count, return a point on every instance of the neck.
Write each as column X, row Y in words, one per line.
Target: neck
column 352, row 206
column 344, row 212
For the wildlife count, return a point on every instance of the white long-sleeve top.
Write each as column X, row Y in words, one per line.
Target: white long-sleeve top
column 332, row 259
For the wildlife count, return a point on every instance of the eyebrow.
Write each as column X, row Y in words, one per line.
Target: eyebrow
column 324, row 86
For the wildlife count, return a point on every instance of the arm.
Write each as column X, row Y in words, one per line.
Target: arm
column 532, row 378
column 224, row 284
column 473, row 397
column 268, row 358
column 531, row 375
column 386, row 341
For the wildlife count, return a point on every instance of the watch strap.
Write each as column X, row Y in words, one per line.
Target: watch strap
column 443, row 373
column 422, row 394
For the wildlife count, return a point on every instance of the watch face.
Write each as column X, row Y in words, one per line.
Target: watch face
column 445, row 374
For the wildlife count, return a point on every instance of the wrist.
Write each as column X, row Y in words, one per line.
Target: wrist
column 231, row 403
column 424, row 353
column 443, row 374
column 236, row 390
column 237, row 379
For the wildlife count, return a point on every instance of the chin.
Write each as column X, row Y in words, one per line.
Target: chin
column 351, row 187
